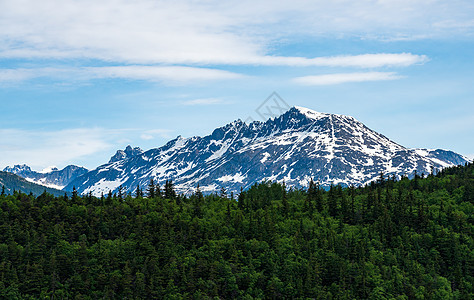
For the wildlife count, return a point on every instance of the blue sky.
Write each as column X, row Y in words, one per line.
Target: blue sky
column 81, row 79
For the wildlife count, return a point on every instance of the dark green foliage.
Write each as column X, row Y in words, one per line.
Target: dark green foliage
column 151, row 190
column 389, row 240
column 169, row 190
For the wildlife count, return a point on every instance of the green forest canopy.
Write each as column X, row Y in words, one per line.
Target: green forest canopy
column 406, row 239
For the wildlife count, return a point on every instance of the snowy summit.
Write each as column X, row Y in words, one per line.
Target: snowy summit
column 296, row 146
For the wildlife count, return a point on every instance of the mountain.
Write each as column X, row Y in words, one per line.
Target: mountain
column 13, row 182
column 294, row 147
column 127, row 153
column 51, row 177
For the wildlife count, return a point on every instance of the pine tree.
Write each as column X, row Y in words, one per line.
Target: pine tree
column 345, row 212
column 151, row 189
column 74, row 194
column 223, row 193
column 381, row 179
column 310, row 196
column 158, row 193
column 352, row 189
column 120, row 192
column 228, row 212
column 318, row 198
column 108, row 200
column 198, row 193
column 286, row 206
column 138, row 192
column 332, row 201
column 169, row 190
column 241, row 200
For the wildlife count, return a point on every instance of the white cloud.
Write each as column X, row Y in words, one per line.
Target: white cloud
column 338, row 78
column 45, row 148
column 146, row 137
column 167, row 74
column 183, row 74
column 159, row 73
column 359, row 61
column 211, row 32
column 151, row 134
column 204, row 101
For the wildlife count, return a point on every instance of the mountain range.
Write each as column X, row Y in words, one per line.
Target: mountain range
column 10, row 182
column 52, row 177
column 296, row 146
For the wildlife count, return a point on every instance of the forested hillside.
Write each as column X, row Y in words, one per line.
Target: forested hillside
column 10, row 182
column 407, row 239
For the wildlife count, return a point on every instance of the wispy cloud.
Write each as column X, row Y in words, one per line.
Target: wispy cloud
column 210, row 32
column 166, row 74
column 359, row 61
column 331, row 79
column 204, row 101
column 160, row 73
column 152, row 134
column 44, row 148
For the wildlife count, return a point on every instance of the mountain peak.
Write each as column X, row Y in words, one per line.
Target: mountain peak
column 127, row 153
column 309, row 113
column 50, row 177
column 294, row 147
column 17, row 168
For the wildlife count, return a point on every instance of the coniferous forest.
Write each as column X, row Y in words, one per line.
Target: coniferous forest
column 392, row 239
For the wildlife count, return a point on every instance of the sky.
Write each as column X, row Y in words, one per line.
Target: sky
column 82, row 79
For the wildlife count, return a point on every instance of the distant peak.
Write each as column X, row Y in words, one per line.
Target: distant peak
column 312, row 114
column 127, row 153
column 17, row 168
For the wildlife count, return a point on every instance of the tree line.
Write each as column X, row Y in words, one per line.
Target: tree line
column 391, row 239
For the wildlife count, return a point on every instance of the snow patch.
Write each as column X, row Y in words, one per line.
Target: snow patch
column 312, row 114
column 238, row 177
column 104, row 186
column 266, row 155
column 49, row 169
column 43, row 182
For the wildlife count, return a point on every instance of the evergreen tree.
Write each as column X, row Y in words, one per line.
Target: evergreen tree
column 311, row 196
column 158, row 192
column 223, row 193
column 74, row 194
column 120, row 192
column 138, row 192
column 169, row 190
column 285, row 204
column 332, row 201
column 241, row 200
column 318, row 198
column 417, row 244
column 198, row 193
column 151, row 189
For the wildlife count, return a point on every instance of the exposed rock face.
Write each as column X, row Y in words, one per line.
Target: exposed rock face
column 294, row 147
column 53, row 178
column 127, row 153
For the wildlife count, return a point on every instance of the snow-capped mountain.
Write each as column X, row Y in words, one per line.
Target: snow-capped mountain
column 50, row 177
column 298, row 145
column 127, row 153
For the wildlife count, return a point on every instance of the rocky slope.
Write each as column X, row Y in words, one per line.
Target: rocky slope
column 52, row 178
column 298, row 145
